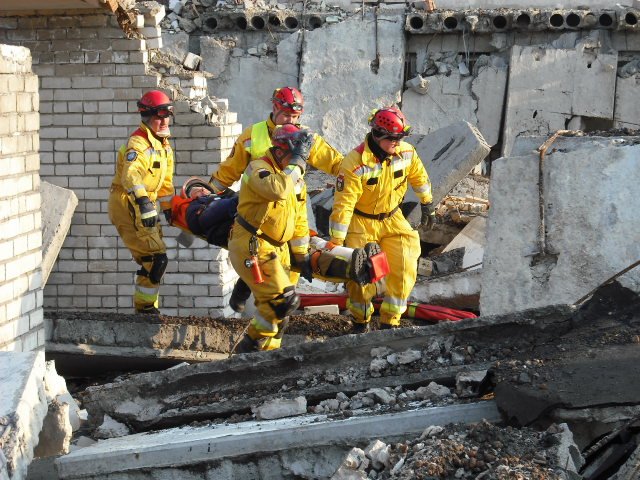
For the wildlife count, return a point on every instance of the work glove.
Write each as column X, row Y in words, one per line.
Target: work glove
column 303, row 262
column 148, row 212
column 427, row 219
column 300, row 149
column 227, row 193
column 167, row 216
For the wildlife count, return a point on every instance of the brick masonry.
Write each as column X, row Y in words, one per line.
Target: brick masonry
column 21, row 296
column 91, row 76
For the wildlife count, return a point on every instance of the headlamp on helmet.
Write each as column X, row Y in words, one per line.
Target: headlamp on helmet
column 389, row 123
column 288, row 99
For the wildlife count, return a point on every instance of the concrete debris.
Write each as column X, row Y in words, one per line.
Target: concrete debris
column 23, row 407
column 55, row 436
column 353, row 467
column 191, row 61
column 460, row 451
column 110, row 428
column 528, row 265
column 280, row 408
column 418, row 84
column 166, row 398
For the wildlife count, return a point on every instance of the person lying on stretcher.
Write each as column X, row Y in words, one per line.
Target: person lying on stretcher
column 201, row 212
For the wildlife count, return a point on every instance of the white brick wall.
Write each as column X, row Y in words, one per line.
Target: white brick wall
column 90, row 79
column 21, row 325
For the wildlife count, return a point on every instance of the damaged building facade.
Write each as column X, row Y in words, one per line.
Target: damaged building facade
column 506, row 71
column 478, row 81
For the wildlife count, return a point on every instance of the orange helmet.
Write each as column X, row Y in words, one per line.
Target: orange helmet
column 285, row 135
column 389, row 122
column 288, row 99
column 155, row 103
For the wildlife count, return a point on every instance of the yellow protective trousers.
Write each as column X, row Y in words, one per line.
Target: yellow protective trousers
column 141, row 241
column 402, row 245
column 275, row 266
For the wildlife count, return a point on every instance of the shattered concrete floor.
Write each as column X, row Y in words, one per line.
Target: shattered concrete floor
column 546, row 368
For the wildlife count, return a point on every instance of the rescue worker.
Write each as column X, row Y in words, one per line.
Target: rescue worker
column 370, row 187
column 144, row 176
column 254, row 142
column 270, row 221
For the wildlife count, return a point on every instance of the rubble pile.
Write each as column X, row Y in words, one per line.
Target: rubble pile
column 478, row 451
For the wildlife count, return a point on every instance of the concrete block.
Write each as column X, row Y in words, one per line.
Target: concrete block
column 328, row 309
column 565, row 82
column 55, row 436
column 449, row 154
column 154, row 43
column 23, row 406
column 472, row 239
column 582, row 245
column 627, row 110
column 61, row 204
column 191, row 61
column 458, row 290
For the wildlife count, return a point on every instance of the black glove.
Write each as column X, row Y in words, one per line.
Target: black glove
column 300, row 149
column 428, row 216
column 148, row 212
column 167, row 216
column 303, row 262
column 227, row 193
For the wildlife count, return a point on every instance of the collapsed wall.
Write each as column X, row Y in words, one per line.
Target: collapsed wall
column 21, row 316
column 91, row 76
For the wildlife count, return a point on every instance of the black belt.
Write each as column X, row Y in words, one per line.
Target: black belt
column 254, row 231
column 376, row 216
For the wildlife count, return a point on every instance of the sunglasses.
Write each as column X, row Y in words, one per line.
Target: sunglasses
column 163, row 111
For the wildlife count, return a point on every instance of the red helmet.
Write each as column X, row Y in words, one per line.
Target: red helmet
column 288, row 99
column 156, row 103
column 283, row 134
column 389, row 122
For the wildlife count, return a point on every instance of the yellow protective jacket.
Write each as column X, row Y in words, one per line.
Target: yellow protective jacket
column 145, row 167
column 268, row 202
column 255, row 141
column 375, row 187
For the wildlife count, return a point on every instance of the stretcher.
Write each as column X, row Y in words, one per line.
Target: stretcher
column 199, row 212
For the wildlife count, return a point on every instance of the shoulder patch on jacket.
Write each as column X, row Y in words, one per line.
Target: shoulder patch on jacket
column 340, row 182
column 132, row 155
column 360, row 148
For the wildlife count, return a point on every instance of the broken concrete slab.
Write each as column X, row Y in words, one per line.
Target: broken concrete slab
column 627, row 112
column 173, row 397
column 122, row 338
column 473, row 239
column 590, row 217
column 56, row 221
column 563, row 80
column 581, row 376
column 342, row 84
column 23, row 406
column 449, row 154
column 204, row 445
column 458, row 290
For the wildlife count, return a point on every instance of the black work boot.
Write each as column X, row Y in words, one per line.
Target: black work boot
column 386, row 326
column 148, row 310
column 360, row 327
column 239, row 296
column 246, row 345
column 358, row 267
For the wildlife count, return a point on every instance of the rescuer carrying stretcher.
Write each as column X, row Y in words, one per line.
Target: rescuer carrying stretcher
column 199, row 211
